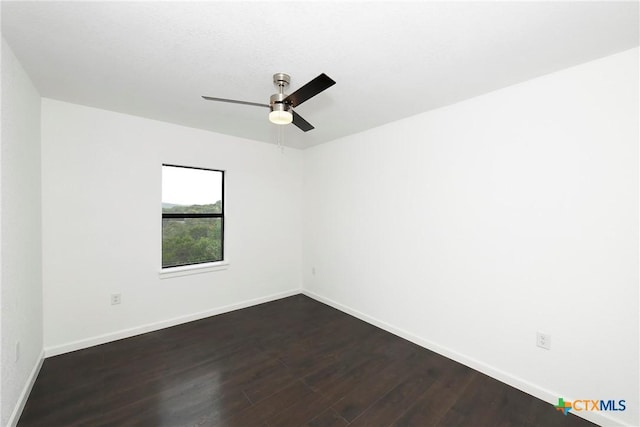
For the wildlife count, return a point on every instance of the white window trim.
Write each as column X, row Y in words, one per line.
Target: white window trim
column 187, row 270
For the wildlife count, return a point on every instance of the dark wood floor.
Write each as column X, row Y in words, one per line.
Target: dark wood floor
column 292, row 362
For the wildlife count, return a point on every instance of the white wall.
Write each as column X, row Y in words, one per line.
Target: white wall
column 469, row 228
column 102, row 224
column 21, row 250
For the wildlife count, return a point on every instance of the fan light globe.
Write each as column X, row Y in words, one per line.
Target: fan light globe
column 280, row 117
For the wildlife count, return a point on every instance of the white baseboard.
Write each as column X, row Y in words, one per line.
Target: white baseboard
column 150, row 327
column 22, row 399
column 514, row 381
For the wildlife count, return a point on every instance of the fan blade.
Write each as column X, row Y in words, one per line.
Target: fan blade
column 300, row 122
column 233, row 101
column 309, row 90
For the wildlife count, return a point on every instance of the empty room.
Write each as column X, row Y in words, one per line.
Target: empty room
column 320, row 213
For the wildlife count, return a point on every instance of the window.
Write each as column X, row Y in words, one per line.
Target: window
column 192, row 216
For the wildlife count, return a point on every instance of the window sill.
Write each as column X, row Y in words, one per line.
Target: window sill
column 187, row 270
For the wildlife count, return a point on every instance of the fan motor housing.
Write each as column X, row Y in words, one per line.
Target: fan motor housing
column 277, row 103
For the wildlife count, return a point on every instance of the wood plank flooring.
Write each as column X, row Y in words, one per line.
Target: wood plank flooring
column 291, row 362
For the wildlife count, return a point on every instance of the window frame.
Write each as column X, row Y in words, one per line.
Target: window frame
column 207, row 265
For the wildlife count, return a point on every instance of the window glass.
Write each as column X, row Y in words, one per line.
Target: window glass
column 192, row 216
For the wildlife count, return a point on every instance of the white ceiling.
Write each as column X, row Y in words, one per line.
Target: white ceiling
column 389, row 59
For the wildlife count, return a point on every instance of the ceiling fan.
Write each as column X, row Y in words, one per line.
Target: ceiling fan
column 282, row 105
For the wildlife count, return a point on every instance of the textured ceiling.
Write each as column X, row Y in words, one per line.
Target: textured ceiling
column 390, row 59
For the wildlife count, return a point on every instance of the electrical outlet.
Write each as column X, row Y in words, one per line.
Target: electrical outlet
column 543, row 341
column 116, row 299
column 17, row 351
